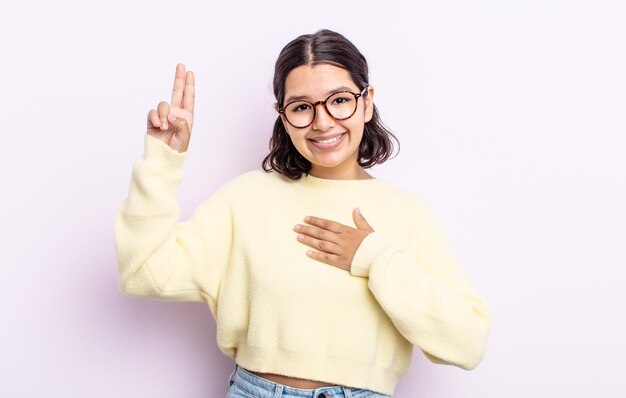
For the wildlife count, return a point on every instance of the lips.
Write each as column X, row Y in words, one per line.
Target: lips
column 329, row 142
column 326, row 139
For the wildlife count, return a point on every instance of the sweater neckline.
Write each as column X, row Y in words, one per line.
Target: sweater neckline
column 309, row 181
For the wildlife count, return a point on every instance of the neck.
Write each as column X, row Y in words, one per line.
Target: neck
column 357, row 173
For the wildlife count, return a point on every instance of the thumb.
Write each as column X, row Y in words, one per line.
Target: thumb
column 360, row 221
column 179, row 122
column 181, row 127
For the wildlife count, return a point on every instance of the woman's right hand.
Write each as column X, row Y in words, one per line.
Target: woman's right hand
column 173, row 124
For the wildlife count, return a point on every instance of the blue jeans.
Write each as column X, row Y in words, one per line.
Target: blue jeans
column 244, row 384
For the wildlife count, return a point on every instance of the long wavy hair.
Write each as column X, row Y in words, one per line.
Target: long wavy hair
column 323, row 47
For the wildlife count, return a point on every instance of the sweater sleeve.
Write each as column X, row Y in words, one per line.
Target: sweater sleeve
column 427, row 296
column 157, row 255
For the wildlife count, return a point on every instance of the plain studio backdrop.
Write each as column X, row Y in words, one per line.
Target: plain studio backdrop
column 511, row 122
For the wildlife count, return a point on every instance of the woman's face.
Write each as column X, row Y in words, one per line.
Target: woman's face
column 336, row 160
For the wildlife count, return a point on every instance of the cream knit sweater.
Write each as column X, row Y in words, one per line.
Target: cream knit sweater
column 278, row 310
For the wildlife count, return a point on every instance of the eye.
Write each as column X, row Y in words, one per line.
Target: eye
column 300, row 107
column 341, row 100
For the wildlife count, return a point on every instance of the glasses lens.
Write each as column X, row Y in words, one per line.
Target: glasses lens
column 299, row 113
column 341, row 105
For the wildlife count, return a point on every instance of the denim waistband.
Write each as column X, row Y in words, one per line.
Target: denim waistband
column 258, row 386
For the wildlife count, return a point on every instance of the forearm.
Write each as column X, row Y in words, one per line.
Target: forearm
column 427, row 296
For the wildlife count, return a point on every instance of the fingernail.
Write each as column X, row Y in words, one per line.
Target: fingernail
column 171, row 117
column 164, row 125
column 298, row 227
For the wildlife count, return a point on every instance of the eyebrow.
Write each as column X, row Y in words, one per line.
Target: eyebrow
column 303, row 97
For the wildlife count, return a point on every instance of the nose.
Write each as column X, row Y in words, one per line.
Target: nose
column 323, row 121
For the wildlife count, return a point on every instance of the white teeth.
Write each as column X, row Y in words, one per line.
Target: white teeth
column 329, row 141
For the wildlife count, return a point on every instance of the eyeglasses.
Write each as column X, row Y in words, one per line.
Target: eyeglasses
column 340, row 106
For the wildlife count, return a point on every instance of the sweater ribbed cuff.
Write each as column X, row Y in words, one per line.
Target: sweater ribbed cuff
column 155, row 148
column 157, row 174
column 371, row 246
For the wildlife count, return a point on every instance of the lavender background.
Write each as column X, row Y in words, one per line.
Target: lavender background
column 511, row 120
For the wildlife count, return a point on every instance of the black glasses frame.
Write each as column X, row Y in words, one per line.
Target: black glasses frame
column 315, row 104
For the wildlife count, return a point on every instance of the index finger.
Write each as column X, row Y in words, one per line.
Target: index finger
column 324, row 223
column 179, row 86
column 190, row 92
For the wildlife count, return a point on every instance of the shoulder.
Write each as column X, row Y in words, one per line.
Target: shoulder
column 411, row 203
column 406, row 197
column 251, row 181
column 257, row 176
column 239, row 190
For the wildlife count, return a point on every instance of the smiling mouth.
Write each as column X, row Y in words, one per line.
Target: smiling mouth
column 328, row 141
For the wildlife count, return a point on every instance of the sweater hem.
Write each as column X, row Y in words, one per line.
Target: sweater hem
column 313, row 366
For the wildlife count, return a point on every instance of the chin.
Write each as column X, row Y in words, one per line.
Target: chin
column 327, row 165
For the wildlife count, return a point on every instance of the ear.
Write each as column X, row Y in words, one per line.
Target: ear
column 282, row 118
column 369, row 104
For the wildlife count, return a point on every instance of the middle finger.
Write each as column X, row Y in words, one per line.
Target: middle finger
column 318, row 233
column 319, row 244
column 179, row 86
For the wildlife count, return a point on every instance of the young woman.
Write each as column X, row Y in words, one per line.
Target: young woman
column 321, row 277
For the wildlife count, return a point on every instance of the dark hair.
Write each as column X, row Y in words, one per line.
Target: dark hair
column 323, row 47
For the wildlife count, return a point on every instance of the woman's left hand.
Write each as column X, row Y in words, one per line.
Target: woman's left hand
column 337, row 242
